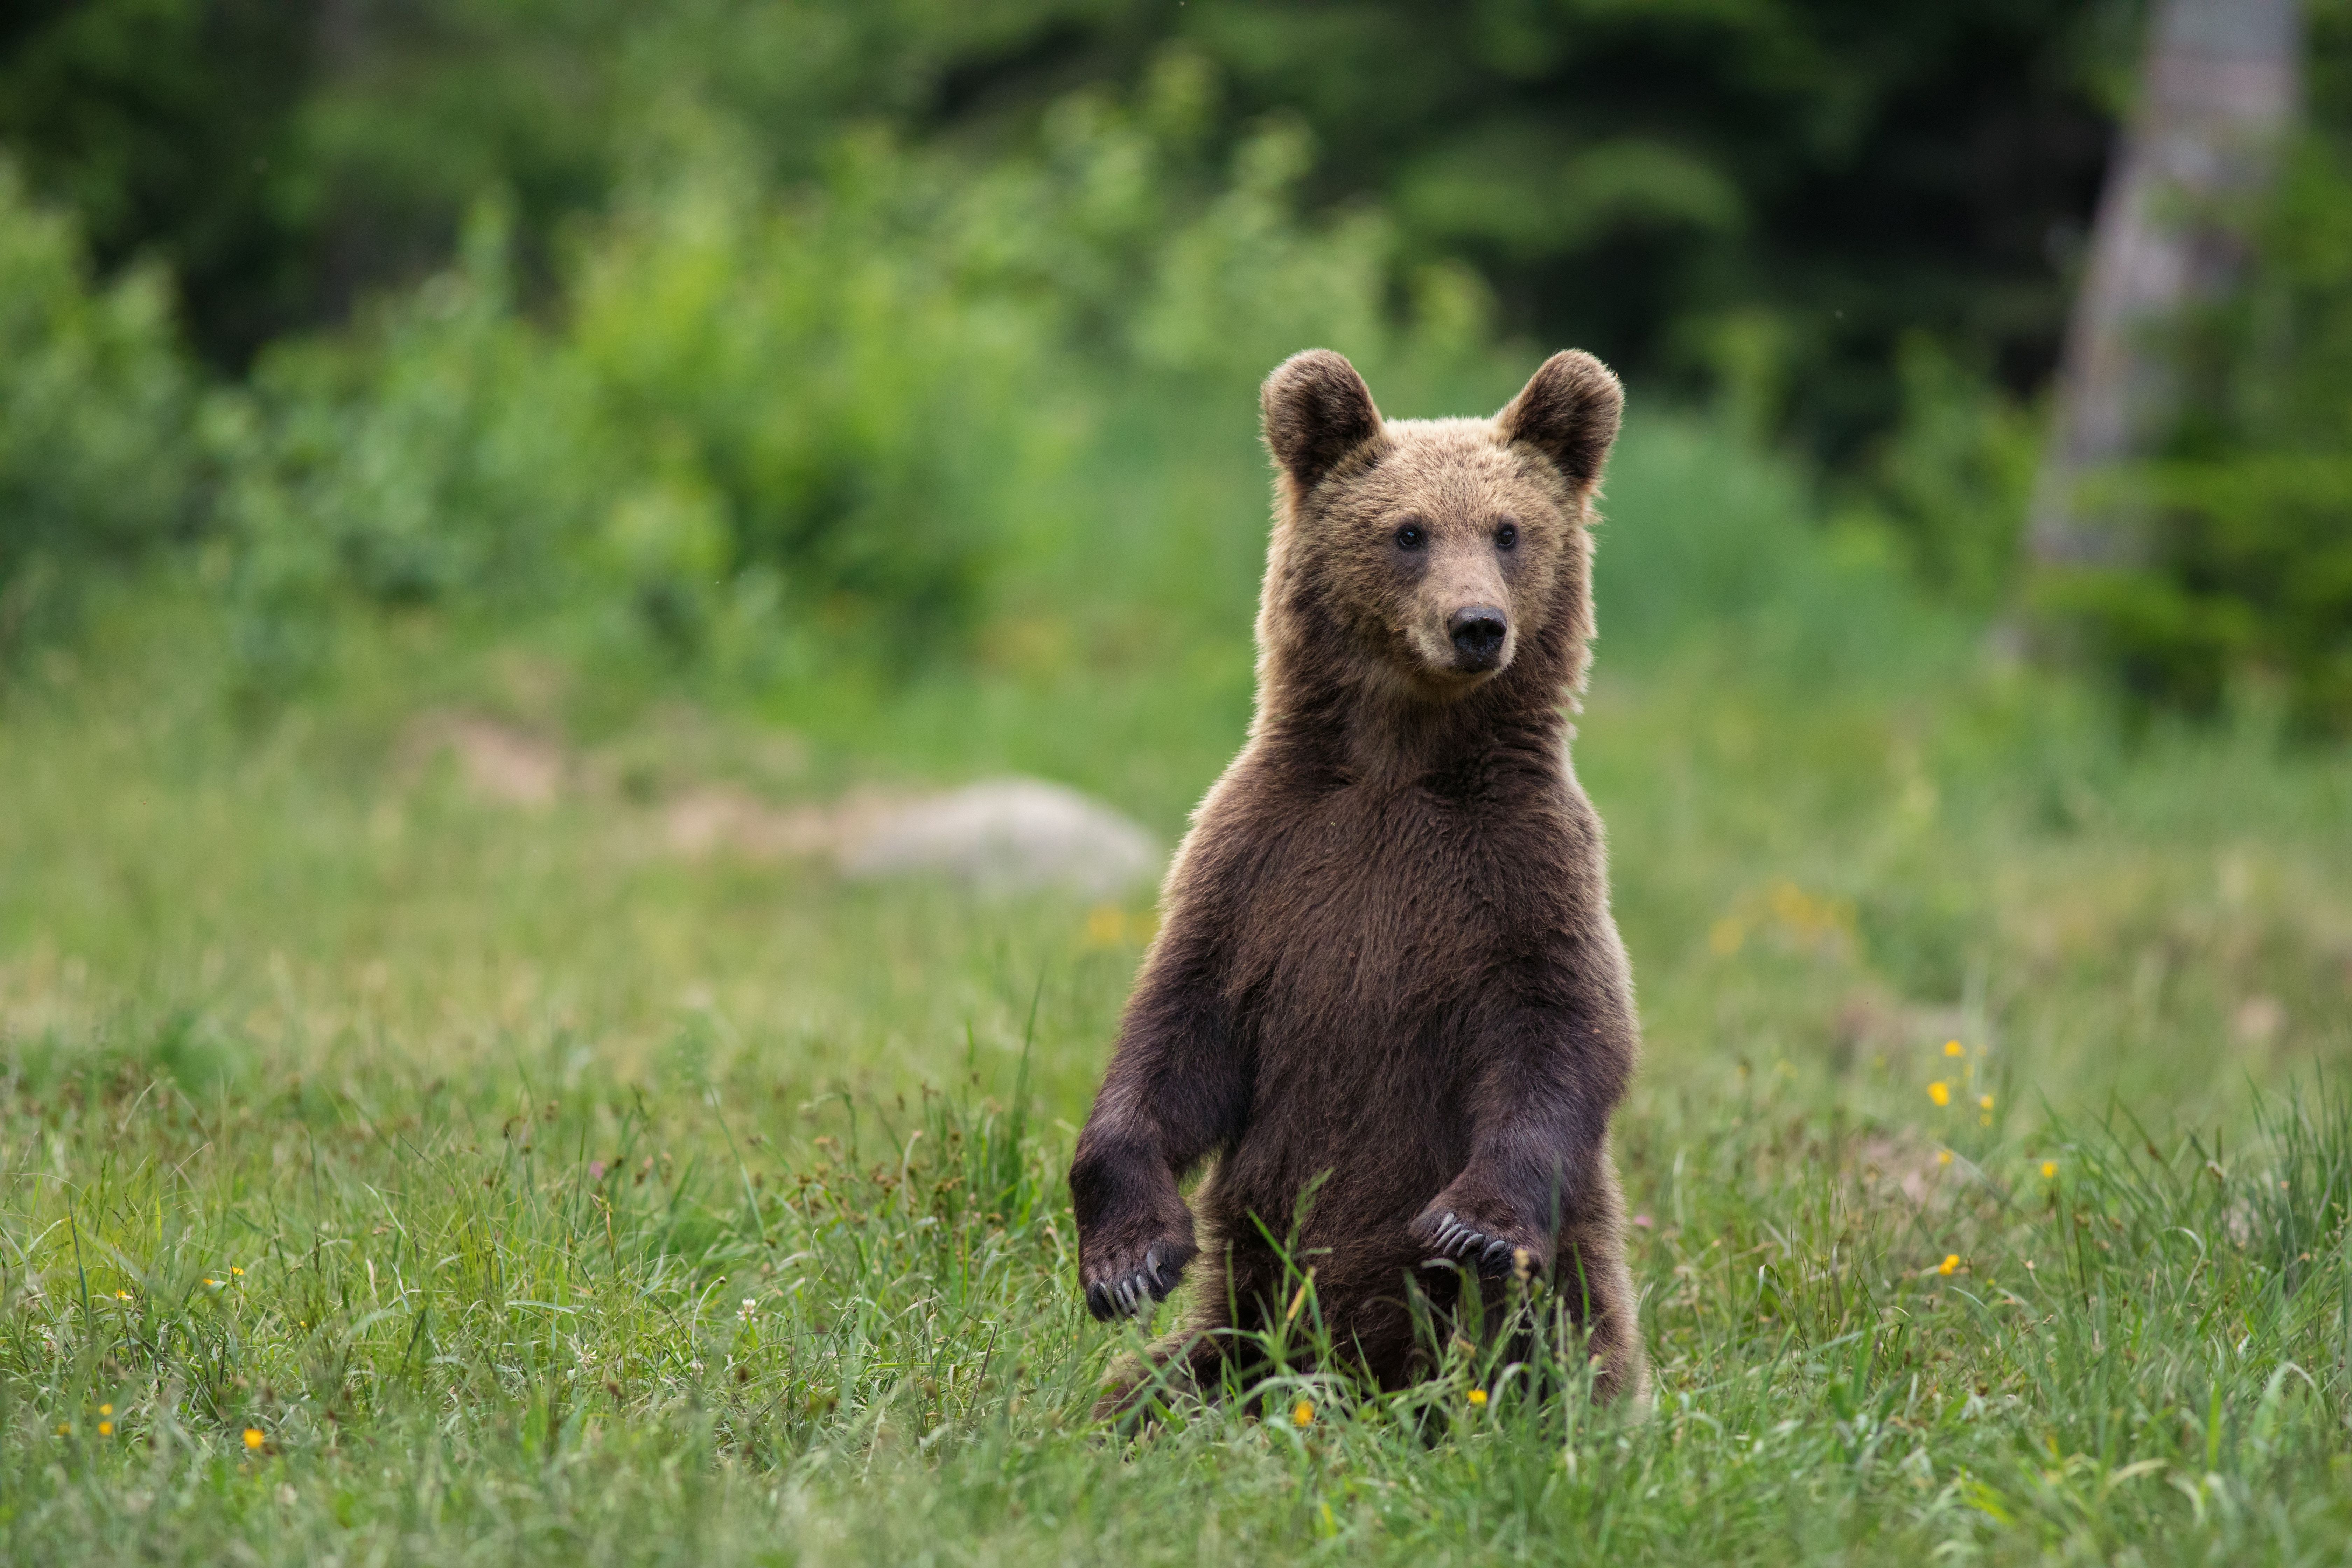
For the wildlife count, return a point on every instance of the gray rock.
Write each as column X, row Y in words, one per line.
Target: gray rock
column 1007, row 835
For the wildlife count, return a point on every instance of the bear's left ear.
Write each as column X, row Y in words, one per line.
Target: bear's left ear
column 1568, row 411
column 1316, row 410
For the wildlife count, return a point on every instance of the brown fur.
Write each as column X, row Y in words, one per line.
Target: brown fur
column 1387, row 953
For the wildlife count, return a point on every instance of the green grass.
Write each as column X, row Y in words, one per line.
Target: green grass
column 441, row 1145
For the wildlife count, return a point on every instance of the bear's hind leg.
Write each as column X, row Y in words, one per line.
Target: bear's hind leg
column 1593, row 1275
column 1185, row 1364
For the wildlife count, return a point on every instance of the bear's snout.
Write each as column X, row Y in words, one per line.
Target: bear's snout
column 1479, row 632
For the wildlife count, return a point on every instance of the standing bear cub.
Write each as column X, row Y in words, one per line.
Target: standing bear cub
column 1387, row 975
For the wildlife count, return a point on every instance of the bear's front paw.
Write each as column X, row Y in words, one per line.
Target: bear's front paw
column 1126, row 1286
column 1455, row 1240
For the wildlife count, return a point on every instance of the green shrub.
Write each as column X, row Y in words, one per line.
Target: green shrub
column 433, row 453
column 96, row 459
column 734, row 392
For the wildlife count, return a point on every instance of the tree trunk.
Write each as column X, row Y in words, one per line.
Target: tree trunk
column 2217, row 90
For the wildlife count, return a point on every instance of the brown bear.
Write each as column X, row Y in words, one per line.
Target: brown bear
column 1387, row 963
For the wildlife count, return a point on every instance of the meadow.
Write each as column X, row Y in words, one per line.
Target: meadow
column 392, row 1171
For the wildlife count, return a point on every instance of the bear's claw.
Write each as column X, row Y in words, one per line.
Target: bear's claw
column 1458, row 1243
column 1133, row 1294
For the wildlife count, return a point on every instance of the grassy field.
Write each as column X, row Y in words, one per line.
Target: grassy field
column 388, row 1173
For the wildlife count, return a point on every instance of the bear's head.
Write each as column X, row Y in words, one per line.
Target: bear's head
column 1428, row 558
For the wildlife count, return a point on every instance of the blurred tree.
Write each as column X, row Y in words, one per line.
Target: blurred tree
column 286, row 156
column 166, row 124
column 2242, row 562
column 2218, row 91
column 1681, row 183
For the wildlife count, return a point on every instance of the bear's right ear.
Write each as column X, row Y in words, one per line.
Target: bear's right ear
column 1316, row 410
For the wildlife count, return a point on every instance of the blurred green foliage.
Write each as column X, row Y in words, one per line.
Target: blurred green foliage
column 1639, row 178
column 759, row 339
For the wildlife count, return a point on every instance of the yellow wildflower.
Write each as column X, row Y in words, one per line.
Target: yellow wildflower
column 1477, row 1396
column 252, row 1437
column 1985, row 1102
column 1954, row 1048
column 2048, row 1169
column 64, row 1428
column 106, row 1410
column 1940, row 1092
column 106, row 1428
column 1302, row 1414
column 1951, row 1261
column 122, row 1295
column 1943, row 1156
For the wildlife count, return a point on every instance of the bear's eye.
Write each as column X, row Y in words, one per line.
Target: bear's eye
column 1411, row 537
column 1507, row 536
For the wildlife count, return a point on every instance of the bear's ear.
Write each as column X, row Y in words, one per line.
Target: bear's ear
column 1568, row 411
column 1316, row 410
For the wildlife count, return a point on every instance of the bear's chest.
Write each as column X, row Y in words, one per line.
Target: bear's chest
column 1371, row 916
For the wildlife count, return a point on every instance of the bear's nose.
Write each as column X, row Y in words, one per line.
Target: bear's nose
column 1477, row 633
